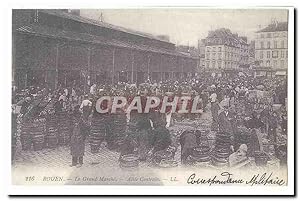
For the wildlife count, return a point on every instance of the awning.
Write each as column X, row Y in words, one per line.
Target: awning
column 280, row 73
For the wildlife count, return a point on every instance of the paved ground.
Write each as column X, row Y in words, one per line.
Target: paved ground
column 55, row 163
column 50, row 162
column 51, row 166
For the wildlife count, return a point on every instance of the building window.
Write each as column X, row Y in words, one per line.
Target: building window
column 214, row 49
column 268, row 44
column 208, row 49
column 219, row 55
column 275, row 63
column 282, row 63
column 207, row 64
column 282, row 44
column 275, row 44
column 268, row 54
column 213, row 55
column 219, row 64
column 207, row 55
column 262, row 44
column 261, row 55
column 220, row 49
column 269, row 35
column 275, row 54
column 213, row 64
column 282, row 54
column 268, row 63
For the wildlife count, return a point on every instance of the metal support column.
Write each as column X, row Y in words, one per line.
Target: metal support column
column 113, row 67
column 132, row 65
column 56, row 66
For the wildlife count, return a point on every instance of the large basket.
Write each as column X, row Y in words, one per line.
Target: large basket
column 38, row 142
column 51, row 138
column 261, row 158
column 97, row 134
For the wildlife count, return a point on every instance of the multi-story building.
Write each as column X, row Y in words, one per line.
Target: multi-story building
column 225, row 51
column 201, row 48
column 271, row 49
column 252, row 54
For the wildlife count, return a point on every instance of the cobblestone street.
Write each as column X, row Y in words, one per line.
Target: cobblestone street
column 55, row 162
column 100, row 168
column 59, row 159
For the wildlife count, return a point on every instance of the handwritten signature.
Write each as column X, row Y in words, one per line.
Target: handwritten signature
column 228, row 178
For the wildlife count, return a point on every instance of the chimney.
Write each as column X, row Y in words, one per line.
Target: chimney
column 164, row 38
column 74, row 12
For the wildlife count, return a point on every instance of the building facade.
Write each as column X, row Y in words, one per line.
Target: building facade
column 225, row 51
column 58, row 48
column 201, row 48
column 252, row 54
column 271, row 48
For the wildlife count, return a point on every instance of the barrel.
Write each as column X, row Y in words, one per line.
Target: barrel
column 51, row 138
column 201, row 154
column 97, row 134
column 38, row 142
column 25, row 137
column 261, row 158
column 64, row 136
column 13, row 146
column 245, row 137
column 117, row 127
column 51, row 131
column 162, row 155
column 221, row 150
column 129, row 161
column 64, row 128
column 38, row 134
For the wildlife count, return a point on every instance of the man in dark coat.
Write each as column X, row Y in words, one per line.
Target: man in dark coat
column 25, row 105
column 161, row 138
column 273, row 123
column 224, row 122
column 214, row 111
column 264, row 116
column 78, row 137
column 188, row 141
column 254, row 122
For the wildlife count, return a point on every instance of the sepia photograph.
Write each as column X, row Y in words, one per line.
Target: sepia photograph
column 152, row 97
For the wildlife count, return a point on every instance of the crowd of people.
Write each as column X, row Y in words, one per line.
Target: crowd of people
column 233, row 102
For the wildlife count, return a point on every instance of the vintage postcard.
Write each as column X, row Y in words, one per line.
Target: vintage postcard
column 191, row 100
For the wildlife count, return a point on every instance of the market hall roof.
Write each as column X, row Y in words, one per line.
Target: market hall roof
column 81, row 19
column 278, row 26
column 45, row 31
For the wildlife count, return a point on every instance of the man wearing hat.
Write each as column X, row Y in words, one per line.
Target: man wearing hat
column 25, row 106
column 214, row 111
column 224, row 121
column 86, row 106
column 78, row 136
